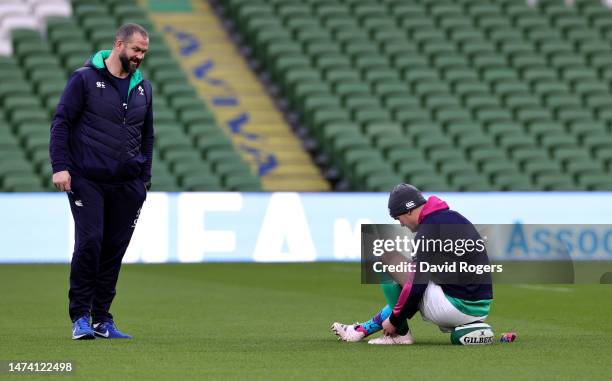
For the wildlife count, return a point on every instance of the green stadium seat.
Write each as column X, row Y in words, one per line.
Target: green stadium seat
column 444, row 155
column 128, row 10
column 364, row 169
column 13, row 164
column 595, row 182
column 493, row 168
column 173, row 157
column 345, row 143
column 513, row 183
column 243, row 183
column 200, row 182
column 413, row 166
column 574, row 154
column 34, row 143
column 485, row 155
column 528, row 155
column 381, row 182
column 363, row 154
column 518, row 101
column 429, row 182
column 535, row 168
column 532, row 114
column 173, row 143
column 232, row 168
column 49, row 90
column 473, row 141
column 341, row 76
column 410, row 117
column 190, row 168
column 470, row 183
column 584, row 167
column 329, row 131
column 558, row 141
column 553, row 182
column 598, row 142
column 409, row 61
column 216, row 141
column 24, row 36
column 18, row 116
column 320, row 118
column 458, row 167
column 31, row 48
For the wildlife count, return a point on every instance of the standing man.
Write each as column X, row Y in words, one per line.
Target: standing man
column 101, row 152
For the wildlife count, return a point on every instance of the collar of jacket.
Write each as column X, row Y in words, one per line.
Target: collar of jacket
column 432, row 205
column 97, row 61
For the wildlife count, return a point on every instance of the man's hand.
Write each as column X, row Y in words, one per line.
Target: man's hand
column 388, row 328
column 61, row 180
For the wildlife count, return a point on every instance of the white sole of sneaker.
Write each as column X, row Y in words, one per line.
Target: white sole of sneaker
column 388, row 341
column 84, row 337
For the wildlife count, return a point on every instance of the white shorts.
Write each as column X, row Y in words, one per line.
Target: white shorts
column 436, row 308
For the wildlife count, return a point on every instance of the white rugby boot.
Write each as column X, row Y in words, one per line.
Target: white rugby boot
column 347, row 332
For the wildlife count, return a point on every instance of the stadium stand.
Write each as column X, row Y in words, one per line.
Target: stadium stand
column 42, row 42
column 448, row 95
column 239, row 101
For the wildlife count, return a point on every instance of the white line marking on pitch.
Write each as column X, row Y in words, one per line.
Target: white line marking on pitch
column 544, row 288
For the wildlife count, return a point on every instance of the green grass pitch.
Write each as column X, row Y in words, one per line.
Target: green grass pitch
column 271, row 321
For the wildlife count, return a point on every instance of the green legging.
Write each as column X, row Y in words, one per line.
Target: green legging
column 392, row 292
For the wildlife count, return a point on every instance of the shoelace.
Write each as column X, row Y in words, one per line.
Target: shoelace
column 108, row 325
column 83, row 323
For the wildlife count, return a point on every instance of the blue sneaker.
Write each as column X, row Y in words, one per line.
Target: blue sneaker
column 81, row 329
column 108, row 330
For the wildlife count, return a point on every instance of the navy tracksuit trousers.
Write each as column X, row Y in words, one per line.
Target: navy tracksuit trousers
column 105, row 216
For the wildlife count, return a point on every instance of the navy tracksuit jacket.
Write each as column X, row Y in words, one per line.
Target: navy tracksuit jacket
column 107, row 147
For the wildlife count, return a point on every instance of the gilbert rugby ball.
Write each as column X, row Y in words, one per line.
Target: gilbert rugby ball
column 472, row 334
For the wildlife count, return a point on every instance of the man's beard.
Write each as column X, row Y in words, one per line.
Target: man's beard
column 412, row 228
column 125, row 63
